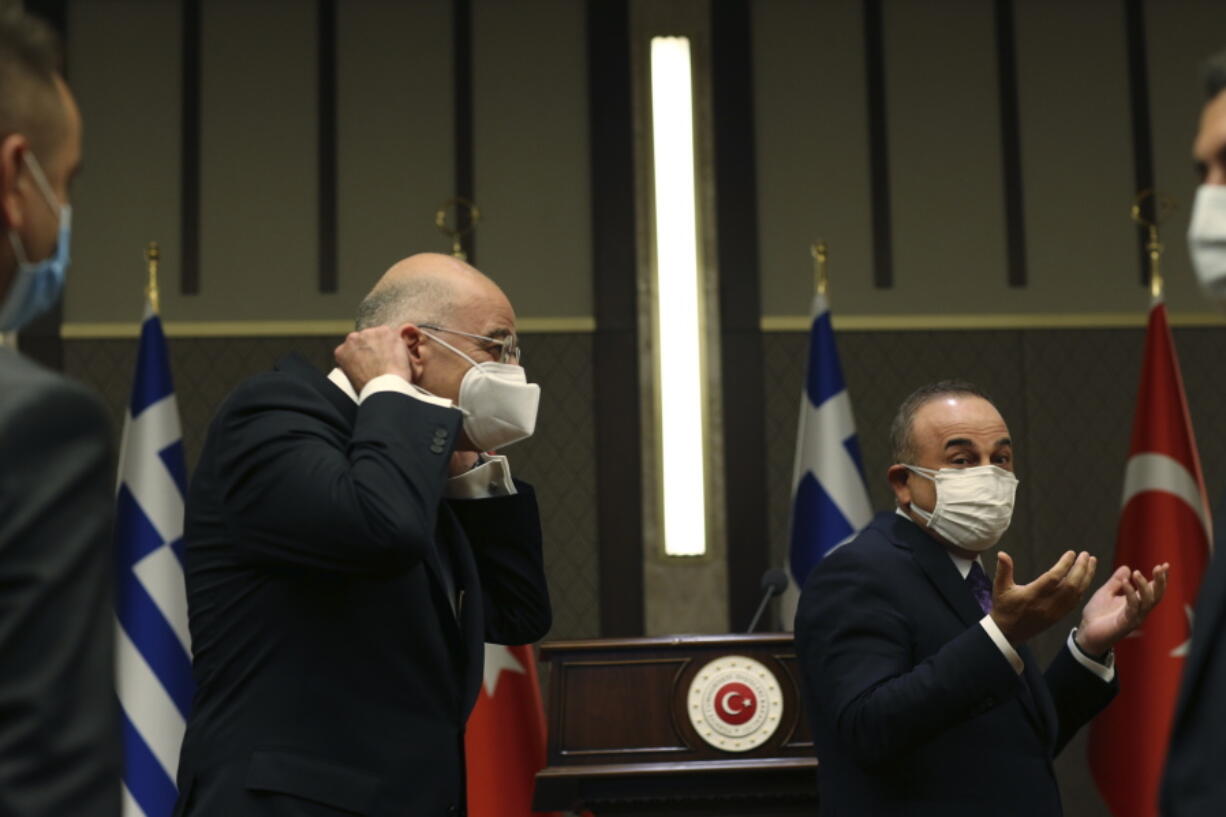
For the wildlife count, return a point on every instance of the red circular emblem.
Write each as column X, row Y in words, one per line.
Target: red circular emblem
column 735, row 703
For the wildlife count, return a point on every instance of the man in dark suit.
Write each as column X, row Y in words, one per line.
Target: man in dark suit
column 922, row 694
column 348, row 551
column 59, row 726
column 1194, row 784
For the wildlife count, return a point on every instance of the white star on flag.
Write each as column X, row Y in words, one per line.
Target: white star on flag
column 497, row 659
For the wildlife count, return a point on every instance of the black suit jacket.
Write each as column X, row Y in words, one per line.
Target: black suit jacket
column 59, row 720
column 333, row 673
column 1194, row 784
column 914, row 709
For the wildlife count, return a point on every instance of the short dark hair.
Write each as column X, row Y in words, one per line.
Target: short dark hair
column 1215, row 74
column 29, row 64
column 902, row 442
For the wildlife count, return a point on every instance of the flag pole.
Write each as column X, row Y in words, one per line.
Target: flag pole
column 1163, row 206
column 152, row 256
column 821, row 254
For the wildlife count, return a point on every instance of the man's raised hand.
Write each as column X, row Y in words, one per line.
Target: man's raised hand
column 369, row 353
column 1022, row 611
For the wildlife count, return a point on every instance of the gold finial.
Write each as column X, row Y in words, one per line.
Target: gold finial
column 457, row 233
column 820, row 252
column 1163, row 205
column 152, row 254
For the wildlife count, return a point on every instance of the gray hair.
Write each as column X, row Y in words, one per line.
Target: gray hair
column 420, row 299
column 1215, row 74
column 902, row 440
column 29, row 64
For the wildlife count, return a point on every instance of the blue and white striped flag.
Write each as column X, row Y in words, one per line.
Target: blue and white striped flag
column 152, row 647
column 829, row 498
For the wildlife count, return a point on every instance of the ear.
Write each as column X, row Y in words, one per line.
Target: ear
column 12, row 201
column 898, row 476
column 411, row 336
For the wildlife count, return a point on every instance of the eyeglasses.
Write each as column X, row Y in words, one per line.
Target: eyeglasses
column 509, row 350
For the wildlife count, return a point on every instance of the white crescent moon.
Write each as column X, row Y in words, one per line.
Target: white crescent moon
column 1158, row 472
column 728, row 709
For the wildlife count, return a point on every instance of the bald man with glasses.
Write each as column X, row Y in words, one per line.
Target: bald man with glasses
column 352, row 541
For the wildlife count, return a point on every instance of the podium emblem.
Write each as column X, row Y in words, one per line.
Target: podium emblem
column 735, row 703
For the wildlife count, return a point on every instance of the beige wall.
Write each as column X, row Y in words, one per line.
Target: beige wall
column 258, row 258
column 945, row 158
column 530, row 108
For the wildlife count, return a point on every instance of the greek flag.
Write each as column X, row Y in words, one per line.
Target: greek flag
column 152, row 646
column 829, row 498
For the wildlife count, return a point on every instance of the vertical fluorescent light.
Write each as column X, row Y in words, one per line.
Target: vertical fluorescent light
column 678, row 301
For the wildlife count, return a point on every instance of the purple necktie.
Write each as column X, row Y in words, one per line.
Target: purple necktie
column 980, row 587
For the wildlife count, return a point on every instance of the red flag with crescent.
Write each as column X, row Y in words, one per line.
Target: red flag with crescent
column 1164, row 517
column 505, row 739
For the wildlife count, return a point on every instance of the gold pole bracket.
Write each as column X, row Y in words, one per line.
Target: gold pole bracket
column 152, row 255
column 1161, row 208
column 457, row 233
column 821, row 254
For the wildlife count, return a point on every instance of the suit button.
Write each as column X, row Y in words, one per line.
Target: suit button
column 440, row 433
column 436, row 449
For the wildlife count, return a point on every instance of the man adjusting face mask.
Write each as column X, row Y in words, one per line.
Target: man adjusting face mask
column 498, row 402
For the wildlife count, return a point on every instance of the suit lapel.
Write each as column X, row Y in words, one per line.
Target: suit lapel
column 471, row 636
column 940, row 570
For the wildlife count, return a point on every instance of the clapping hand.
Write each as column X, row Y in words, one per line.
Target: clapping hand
column 1022, row 611
column 1119, row 607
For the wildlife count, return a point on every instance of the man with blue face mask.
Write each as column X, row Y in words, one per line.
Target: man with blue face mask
column 923, row 696
column 352, row 539
column 59, row 728
column 1193, row 784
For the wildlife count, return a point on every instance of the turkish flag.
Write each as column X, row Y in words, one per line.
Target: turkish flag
column 505, row 740
column 1164, row 518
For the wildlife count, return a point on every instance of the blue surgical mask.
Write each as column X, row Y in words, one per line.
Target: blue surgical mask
column 37, row 285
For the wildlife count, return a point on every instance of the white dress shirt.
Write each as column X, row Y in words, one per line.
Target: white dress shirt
column 490, row 477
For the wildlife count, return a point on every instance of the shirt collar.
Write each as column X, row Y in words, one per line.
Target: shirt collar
column 341, row 381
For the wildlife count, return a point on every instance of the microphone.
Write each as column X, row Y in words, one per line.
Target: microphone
column 774, row 582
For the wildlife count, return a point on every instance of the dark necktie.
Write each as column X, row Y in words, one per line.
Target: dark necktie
column 981, row 587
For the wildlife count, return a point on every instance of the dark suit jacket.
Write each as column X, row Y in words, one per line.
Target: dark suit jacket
column 914, row 709
column 333, row 675
column 1195, row 781
column 59, row 720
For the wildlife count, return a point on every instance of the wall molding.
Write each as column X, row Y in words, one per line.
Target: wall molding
column 262, row 329
column 1003, row 320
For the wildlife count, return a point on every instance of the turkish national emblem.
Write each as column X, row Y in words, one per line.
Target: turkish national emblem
column 1164, row 517
column 735, row 703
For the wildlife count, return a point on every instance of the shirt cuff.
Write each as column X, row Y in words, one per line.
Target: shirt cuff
column 1002, row 643
column 396, row 383
column 491, row 478
column 1103, row 669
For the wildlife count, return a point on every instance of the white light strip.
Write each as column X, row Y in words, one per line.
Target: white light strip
column 678, row 300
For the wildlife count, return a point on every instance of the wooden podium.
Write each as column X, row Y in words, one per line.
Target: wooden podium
column 623, row 737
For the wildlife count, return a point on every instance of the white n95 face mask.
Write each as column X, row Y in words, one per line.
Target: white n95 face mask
column 498, row 402
column 1207, row 241
column 974, row 505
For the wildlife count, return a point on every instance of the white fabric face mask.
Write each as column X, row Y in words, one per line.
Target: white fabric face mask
column 974, row 505
column 498, row 402
column 1207, row 241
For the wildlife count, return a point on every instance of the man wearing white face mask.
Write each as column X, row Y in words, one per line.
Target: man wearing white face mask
column 351, row 543
column 59, row 726
column 1193, row 784
column 922, row 694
